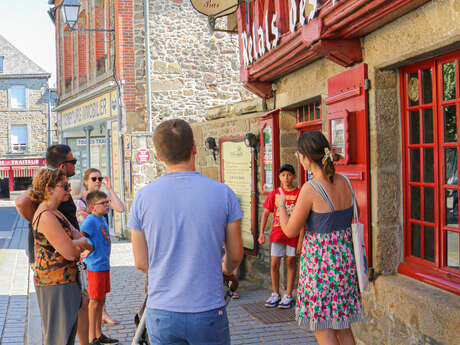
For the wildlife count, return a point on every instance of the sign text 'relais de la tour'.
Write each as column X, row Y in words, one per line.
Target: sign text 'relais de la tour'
column 256, row 41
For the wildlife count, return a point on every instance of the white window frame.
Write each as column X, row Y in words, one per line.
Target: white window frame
column 11, row 94
column 20, row 146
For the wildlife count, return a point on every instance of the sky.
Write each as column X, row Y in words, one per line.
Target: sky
column 27, row 25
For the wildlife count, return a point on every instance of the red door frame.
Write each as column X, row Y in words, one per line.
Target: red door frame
column 270, row 119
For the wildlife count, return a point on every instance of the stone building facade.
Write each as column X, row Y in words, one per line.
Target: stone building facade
column 407, row 183
column 24, row 109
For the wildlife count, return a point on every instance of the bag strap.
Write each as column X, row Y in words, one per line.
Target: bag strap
column 322, row 192
column 355, row 204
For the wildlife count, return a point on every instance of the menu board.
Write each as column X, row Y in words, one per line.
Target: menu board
column 237, row 174
column 268, row 159
column 338, row 136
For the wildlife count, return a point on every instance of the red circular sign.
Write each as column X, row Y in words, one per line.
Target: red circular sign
column 143, row 155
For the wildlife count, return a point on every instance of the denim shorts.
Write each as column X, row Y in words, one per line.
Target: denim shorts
column 205, row 328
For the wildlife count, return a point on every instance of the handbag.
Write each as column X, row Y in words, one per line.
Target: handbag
column 357, row 230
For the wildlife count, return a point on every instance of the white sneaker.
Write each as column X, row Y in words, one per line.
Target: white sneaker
column 273, row 300
column 286, row 302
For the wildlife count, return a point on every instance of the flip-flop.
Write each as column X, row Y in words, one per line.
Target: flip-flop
column 235, row 296
column 109, row 321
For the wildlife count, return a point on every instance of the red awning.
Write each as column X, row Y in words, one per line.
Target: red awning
column 4, row 172
column 25, row 171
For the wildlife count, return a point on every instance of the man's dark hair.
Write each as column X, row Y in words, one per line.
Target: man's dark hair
column 94, row 196
column 173, row 141
column 56, row 155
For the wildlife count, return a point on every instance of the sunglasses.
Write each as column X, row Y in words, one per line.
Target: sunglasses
column 72, row 161
column 105, row 203
column 94, row 179
column 66, row 186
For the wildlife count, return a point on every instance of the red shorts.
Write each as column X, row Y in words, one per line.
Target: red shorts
column 98, row 284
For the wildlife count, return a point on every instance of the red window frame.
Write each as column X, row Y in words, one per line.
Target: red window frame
column 433, row 272
column 270, row 119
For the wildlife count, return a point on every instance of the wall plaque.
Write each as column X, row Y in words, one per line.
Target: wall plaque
column 212, row 7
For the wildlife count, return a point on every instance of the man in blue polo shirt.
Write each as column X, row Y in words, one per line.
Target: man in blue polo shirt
column 179, row 224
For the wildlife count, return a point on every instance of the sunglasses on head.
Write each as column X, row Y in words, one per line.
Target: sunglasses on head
column 72, row 161
column 66, row 186
column 94, row 179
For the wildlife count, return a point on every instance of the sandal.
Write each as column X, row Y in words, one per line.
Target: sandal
column 235, row 296
column 108, row 320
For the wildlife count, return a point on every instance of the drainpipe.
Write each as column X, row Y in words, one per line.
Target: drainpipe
column 147, row 62
column 88, row 130
column 49, row 114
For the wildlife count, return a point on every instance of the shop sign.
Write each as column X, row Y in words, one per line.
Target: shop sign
column 93, row 141
column 142, row 156
column 212, row 7
column 255, row 42
column 22, row 162
column 98, row 108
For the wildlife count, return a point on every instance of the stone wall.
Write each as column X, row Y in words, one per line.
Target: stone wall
column 192, row 72
column 34, row 115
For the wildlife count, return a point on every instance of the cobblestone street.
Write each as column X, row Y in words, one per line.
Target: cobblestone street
column 20, row 318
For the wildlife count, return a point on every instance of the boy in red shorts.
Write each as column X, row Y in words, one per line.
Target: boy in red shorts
column 96, row 230
column 280, row 244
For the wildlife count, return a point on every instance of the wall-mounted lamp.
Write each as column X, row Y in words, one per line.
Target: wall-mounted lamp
column 210, row 144
column 71, row 9
column 250, row 139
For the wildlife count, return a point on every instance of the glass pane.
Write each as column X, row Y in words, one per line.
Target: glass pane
column 412, row 89
column 18, row 96
column 300, row 114
column 428, row 165
column 448, row 72
column 416, row 243
column 317, row 111
column 451, row 208
column 428, row 203
column 415, row 165
column 414, row 127
column 450, row 123
column 452, row 249
column 428, row 243
column 415, row 202
column 427, row 86
column 450, row 157
column 428, row 125
column 312, row 111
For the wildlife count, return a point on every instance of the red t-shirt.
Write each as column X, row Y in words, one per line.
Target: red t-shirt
column 277, row 235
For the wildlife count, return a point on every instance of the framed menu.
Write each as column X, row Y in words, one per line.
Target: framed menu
column 269, row 151
column 338, row 131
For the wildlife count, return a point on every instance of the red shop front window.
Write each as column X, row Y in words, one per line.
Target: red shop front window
column 431, row 150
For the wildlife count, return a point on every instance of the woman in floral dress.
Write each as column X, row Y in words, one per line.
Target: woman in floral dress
column 328, row 298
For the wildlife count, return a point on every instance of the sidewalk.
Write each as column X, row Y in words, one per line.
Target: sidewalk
column 20, row 318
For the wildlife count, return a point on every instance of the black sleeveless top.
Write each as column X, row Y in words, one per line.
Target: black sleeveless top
column 69, row 210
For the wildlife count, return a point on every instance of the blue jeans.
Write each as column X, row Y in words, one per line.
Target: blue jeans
column 205, row 328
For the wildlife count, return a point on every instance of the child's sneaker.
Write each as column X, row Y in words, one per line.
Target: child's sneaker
column 286, row 302
column 273, row 300
column 103, row 339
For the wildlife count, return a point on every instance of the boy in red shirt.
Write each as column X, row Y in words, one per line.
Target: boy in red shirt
column 281, row 245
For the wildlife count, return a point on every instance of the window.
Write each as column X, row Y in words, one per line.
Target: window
column 1, row 64
column 309, row 112
column 431, row 115
column 19, row 138
column 18, row 96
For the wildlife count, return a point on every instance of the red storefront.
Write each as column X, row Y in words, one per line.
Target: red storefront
column 382, row 80
column 17, row 174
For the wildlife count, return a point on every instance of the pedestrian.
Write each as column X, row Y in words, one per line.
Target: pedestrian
column 57, row 248
column 328, row 298
column 179, row 224
column 96, row 229
column 60, row 157
column 281, row 245
column 93, row 181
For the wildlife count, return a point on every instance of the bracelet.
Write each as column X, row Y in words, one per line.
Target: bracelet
column 283, row 205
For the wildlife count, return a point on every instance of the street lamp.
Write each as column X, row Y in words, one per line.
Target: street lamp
column 71, row 9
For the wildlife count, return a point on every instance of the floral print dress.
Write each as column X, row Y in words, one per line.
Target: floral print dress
column 328, row 294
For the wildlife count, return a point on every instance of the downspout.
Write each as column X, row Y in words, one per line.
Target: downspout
column 147, row 63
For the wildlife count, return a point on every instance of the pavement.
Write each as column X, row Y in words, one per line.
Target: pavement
column 20, row 317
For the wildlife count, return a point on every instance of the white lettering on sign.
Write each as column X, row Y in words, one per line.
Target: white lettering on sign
column 256, row 43
column 17, row 162
column 93, row 141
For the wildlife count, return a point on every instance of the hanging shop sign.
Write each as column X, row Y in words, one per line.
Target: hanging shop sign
column 21, row 162
column 142, row 156
column 96, row 109
column 215, row 8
